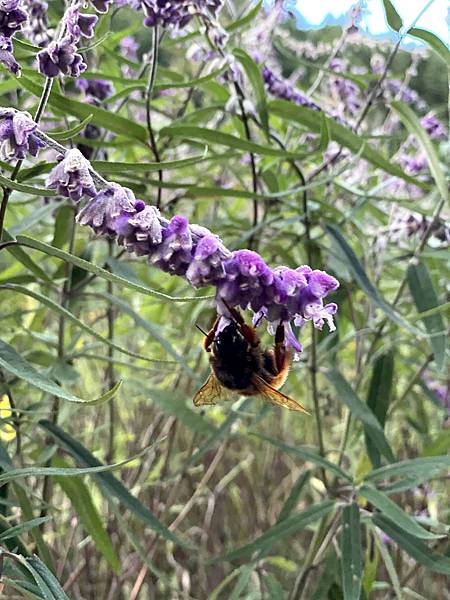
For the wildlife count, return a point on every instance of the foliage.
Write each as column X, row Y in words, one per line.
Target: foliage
column 309, row 148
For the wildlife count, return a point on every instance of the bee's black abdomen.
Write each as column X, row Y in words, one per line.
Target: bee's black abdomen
column 233, row 361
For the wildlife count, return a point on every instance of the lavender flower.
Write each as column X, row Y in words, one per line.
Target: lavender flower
column 6, row 55
column 61, row 57
column 11, row 17
column 79, row 24
column 101, row 6
column 37, row 28
column 17, row 138
column 433, row 127
column 241, row 278
column 177, row 13
column 71, row 177
column 96, row 88
column 283, row 89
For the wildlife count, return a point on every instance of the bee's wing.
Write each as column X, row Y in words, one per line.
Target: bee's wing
column 210, row 392
column 275, row 396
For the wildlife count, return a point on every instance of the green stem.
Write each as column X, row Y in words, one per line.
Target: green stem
column 148, row 98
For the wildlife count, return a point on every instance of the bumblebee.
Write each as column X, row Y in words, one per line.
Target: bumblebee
column 239, row 366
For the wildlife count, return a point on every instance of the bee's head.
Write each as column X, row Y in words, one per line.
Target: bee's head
column 230, row 339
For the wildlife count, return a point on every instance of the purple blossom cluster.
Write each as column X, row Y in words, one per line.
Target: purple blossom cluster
column 241, row 278
column 37, row 27
column 61, row 55
column 177, row 13
column 12, row 17
column 17, row 135
column 280, row 88
column 433, row 127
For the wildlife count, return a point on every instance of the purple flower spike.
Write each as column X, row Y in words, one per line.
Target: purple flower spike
column 281, row 88
column 101, row 6
column 79, row 24
column 11, row 17
column 207, row 262
column 17, row 138
column 71, row 177
column 61, row 57
column 434, row 127
column 106, row 212
column 6, row 55
column 97, row 88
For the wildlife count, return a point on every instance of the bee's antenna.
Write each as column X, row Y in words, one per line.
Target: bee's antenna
column 200, row 329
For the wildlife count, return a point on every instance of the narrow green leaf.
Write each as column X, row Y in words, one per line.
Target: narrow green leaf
column 246, row 19
column 415, row 468
column 392, row 511
column 101, row 117
column 351, row 552
column 106, row 167
column 425, row 298
column 378, row 398
column 412, row 124
column 26, row 189
column 91, row 268
column 43, row 574
column 392, row 17
column 294, row 495
column 324, row 133
column 21, row 256
column 342, row 135
column 62, row 136
column 279, row 532
column 225, row 139
column 81, row 500
column 17, row 365
column 389, row 563
column 110, row 486
column 361, row 411
column 363, row 281
column 433, row 41
column 306, row 454
column 63, row 226
column 22, row 528
column 254, row 75
column 414, row 547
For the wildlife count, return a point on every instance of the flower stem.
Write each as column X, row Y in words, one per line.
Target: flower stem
column 148, row 98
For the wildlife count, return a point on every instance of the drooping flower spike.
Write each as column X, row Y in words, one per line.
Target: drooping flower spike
column 17, row 137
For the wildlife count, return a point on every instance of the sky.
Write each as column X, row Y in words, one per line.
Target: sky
column 373, row 21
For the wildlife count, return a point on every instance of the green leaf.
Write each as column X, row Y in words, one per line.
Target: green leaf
column 106, row 167
column 12, row 362
column 254, row 75
column 392, row 17
column 101, row 117
column 110, row 486
column 414, row 547
column 279, row 532
column 26, row 189
column 379, row 396
column 412, row 124
column 324, row 133
column 306, row 454
column 81, row 500
column 433, row 41
column 345, row 137
column 63, row 226
column 62, row 136
column 73, row 319
column 294, row 495
column 246, row 19
column 391, row 510
column 363, row 281
column 361, row 411
column 22, row 528
column 351, row 552
column 45, row 579
column 225, row 139
column 91, row 268
column 425, row 298
column 412, row 472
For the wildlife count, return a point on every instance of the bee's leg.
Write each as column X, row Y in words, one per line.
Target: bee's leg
column 209, row 338
column 247, row 331
column 280, row 349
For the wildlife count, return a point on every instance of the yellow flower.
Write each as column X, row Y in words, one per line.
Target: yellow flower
column 7, row 431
